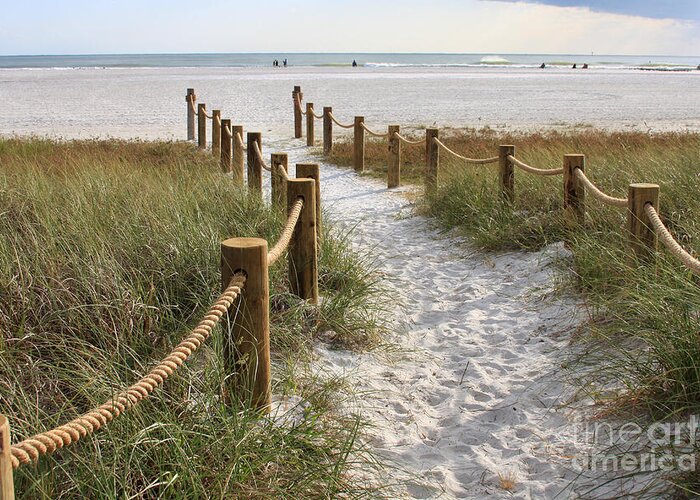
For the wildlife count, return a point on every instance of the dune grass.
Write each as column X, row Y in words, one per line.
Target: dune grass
column 644, row 318
column 109, row 252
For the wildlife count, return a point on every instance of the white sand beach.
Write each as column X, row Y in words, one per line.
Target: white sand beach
column 475, row 389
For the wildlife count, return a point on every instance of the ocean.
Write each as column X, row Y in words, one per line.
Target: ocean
column 142, row 96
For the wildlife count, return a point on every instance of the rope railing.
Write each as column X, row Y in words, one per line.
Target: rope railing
column 669, row 241
column 407, row 141
column 597, row 193
column 533, row 170
column 259, row 154
column 30, row 449
column 297, row 102
column 283, row 172
column 319, row 117
column 240, row 140
column 338, row 123
column 475, row 161
column 286, row 235
column 374, row 134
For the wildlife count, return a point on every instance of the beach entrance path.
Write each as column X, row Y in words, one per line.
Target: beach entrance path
column 470, row 405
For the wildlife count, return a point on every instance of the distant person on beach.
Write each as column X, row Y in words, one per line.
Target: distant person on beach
column 542, row 66
column 585, row 65
column 574, row 66
column 354, row 64
column 285, row 62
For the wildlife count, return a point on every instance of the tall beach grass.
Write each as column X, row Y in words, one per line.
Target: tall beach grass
column 643, row 363
column 109, row 252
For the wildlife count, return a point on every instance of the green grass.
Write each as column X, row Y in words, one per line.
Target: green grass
column 109, row 253
column 644, row 330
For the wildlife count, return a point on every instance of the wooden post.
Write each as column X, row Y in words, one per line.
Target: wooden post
column 327, row 130
column 247, row 342
column 358, row 152
column 312, row 171
column 238, row 155
column 642, row 238
column 310, row 124
column 574, row 192
column 506, row 171
column 394, row 160
column 303, row 252
column 432, row 160
column 254, row 163
column 226, row 149
column 216, row 133
column 191, row 99
column 297, row 96
column 7, row 488
column 277, row 182
column 201, row 126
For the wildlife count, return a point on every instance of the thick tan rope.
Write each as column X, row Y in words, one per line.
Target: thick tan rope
column 240, row 140
column 211, row 117
column 259, row 154
column 669, row 241
column 373, row 133
column 194, row 109
column 597, row 193
column 218, row 120
column 475, row 161
column 286, row 235
column 403, row 139
column 31, row 449
column 317, row 116
column 297, row 102
column 283, row 172
column 534, row 170
column 228, row 130
column 338, row 123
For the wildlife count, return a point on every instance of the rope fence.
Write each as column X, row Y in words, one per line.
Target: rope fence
column 475, row 161
column 244, row 270
column 30, row 449
column 669, row 241
column 286, row 236
column 340, row 124
column 534, row 170
column 597, row 193
column 575, row 181
column 409, row 142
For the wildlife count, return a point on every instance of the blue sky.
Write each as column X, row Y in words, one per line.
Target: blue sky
column 659, row 9
column 482, row 26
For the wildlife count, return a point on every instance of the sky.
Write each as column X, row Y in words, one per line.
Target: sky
column 643, row 27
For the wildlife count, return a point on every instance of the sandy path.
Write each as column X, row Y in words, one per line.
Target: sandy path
column 471, row 396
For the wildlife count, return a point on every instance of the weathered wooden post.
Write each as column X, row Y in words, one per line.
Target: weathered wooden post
column 432, row 160
column 277, row 182
column 303, row 252
column 216, row 133
column 327, row 130
column 310, row 124
column 642, row 237
column 254, row 163
column 247, row 340
column 574, row 192
column 202, row 126
column 7, row 488
column 507, row 176
column 394, row 174
column 312, row 171
column 358, row 150
column 297, row 96
column 227, row 149
column 191, row 99
column 238, row 154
